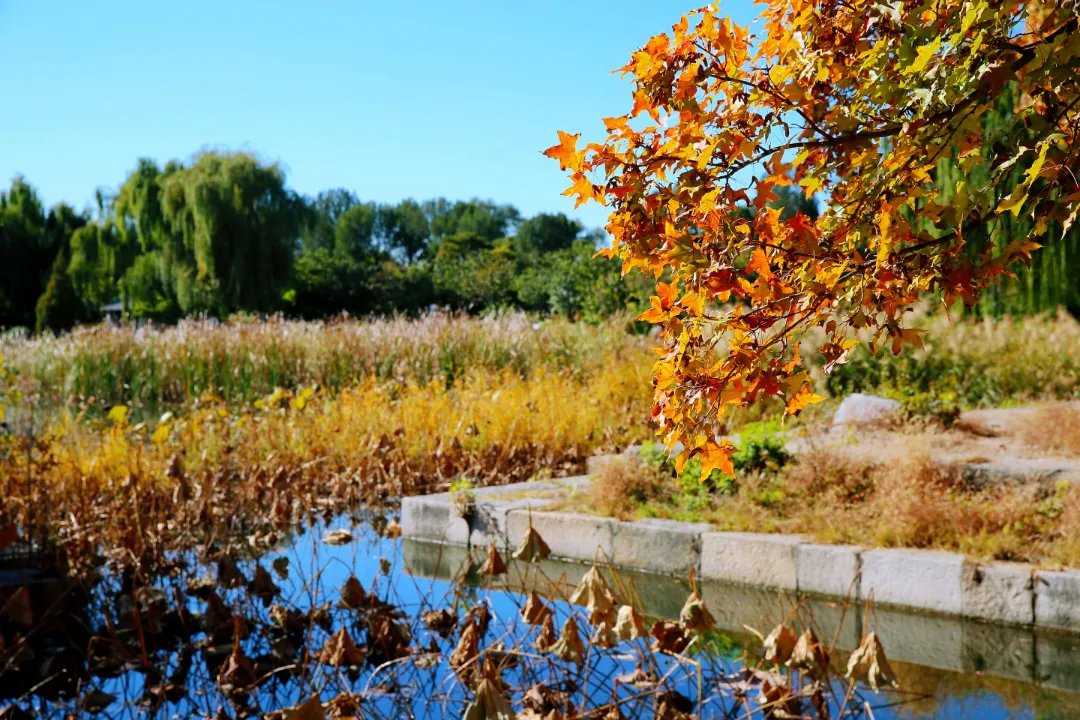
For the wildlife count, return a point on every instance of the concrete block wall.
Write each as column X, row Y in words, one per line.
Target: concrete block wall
column 925, row 581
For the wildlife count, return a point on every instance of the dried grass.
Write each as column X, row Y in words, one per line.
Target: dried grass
column 623, row 485
column 1052, row 429
column 832, row 496
column 146, row 489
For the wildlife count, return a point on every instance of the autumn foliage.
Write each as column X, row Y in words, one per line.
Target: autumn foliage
column 862, row 103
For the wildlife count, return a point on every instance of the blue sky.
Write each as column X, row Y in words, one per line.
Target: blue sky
column 416, row 99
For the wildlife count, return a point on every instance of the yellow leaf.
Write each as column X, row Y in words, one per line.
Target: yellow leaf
column 803, row 397
column 717, row 456
column 160, row 434
column 778, row 74
column 1015, row 202
column 885, row 243
column 924, row 54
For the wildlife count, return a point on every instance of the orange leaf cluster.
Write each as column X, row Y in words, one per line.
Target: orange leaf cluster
column 857, row 101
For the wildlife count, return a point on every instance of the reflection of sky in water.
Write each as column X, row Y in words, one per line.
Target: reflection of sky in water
column 317, row 571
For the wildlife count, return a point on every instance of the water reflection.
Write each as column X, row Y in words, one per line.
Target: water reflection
column 231, row 632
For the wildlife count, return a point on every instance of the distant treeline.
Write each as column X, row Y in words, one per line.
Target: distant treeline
column 224, row 234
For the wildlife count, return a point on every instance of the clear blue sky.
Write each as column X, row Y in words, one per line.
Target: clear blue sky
column 420, row 98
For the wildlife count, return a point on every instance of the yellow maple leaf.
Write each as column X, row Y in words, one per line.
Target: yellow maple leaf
column 566, row 151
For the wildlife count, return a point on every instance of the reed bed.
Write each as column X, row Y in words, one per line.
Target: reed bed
column 243, row 360
column 980, row 362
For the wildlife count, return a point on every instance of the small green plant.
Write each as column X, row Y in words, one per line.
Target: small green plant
column 463, row 496
column 762, row 447
column 935, row 404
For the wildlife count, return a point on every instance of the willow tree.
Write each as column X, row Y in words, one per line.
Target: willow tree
column 857, row 101
column 220, row 232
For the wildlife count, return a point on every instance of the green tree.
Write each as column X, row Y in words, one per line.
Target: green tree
column 404, row 230
column 482, row 218
column 59, row 307
column 321, row 215
column 354, row 232
column 222, row 232
column 545, row 233
column 472, row 272
column 26, row 253
column 1052, row 279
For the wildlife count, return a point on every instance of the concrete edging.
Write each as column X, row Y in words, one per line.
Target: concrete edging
column 928, row 581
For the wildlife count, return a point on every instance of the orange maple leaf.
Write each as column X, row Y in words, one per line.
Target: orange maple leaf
column 583, row 189
column 717, row 456
column 566, row 151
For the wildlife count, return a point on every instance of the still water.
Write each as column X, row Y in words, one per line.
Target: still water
column 214, row 638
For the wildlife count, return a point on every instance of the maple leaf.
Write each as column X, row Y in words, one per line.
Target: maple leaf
column 569, row 646
column 694, row 616
column 489, row 703
column 441, row 621
column 493, row 563
column 535, row 612
column 717, row 456
column 532, row 547
column 546, row 638
column 629, row 625
column 352, row 594
column 583, row 189
column 310, row 709
column 779, row 644
column 566, row 151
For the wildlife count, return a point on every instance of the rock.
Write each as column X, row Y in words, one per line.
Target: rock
column 861, row 409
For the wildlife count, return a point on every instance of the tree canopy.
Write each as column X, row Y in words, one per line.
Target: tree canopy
column 878, row 108
column 223, row 233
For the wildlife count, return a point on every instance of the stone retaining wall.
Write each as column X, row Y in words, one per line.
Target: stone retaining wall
column 928, row 581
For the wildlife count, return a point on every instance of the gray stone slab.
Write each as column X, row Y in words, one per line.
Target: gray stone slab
column 488, row 521
column 1057, row 661
column 750, row 559
column 428, row 517
column 575, row 483
column 932, row 640
column 837, row 622
column 667, row 547
column 859, row 409
column 1057, row 600
column 437, row 517
column 1002, row 651
column 918, row 579
column 1011, row 470
column 736, row 607
column 569, row 535
column 828, row 569
column 999, row 592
